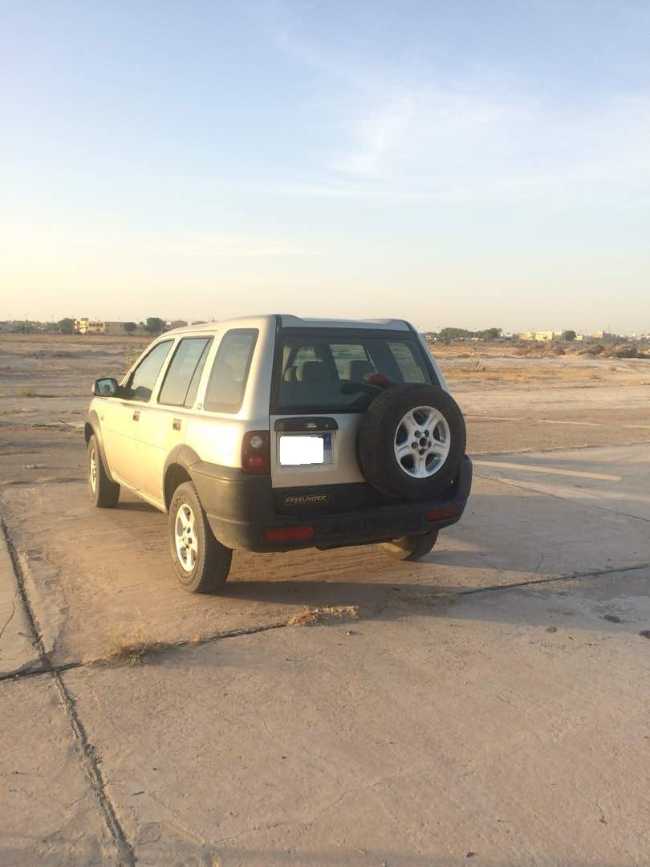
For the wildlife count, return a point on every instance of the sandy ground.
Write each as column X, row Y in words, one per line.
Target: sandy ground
column 511, row 403
column 489, row 705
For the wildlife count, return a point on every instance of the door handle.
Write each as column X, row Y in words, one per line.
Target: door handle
column 176, row 424
column 136, row 415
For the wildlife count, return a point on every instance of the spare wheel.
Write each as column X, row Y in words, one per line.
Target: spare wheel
column 411, row 441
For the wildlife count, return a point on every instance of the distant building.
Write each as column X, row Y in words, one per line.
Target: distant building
column 115, row 328
column 541, row 336
column 89, row 326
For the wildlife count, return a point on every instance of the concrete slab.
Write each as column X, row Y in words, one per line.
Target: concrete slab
column 17, row 651
column 102, row 579
column 48, row 812
column 615, row 479
column 464, row 731
column 507, row 727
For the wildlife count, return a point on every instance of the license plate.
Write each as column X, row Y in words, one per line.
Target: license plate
column 300, row 451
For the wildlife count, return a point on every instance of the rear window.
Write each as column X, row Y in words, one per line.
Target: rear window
column 334, row 373
column 229, row 374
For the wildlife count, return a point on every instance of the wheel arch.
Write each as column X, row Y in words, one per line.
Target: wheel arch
column 93, row 428
column 178, row 469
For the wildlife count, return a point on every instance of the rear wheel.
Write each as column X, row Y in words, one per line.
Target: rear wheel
column 201, row 562
column 103, row 491
column 411, row 547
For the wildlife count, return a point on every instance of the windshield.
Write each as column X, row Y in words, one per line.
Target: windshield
column 317, row 372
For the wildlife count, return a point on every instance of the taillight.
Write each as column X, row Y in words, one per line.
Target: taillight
column 289, row 534
column 256, row 452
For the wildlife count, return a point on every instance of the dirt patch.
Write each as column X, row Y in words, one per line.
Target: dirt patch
column 313, row 616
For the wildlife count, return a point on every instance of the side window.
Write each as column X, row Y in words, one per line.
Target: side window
column 229, row 374
column 184, row 372
column 190, row 397
column 408, row 365
column 143, row 378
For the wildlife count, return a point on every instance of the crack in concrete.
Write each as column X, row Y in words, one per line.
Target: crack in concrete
column 38, row 670
column 569, row 576
column 87, row 750
column 154, row 648
column 585, row 503
column 54, row 480
column 157, row 648
column 9, row 619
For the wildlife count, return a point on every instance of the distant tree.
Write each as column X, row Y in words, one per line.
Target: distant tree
column 66, row 326
column 179, row 323
column 453, row 333
column 447, row 334
column 490, row 333
column 130, row 327
column 569, row 335
column 155, row 325
column 199, row 322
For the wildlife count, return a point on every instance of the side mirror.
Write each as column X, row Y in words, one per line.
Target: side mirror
column 105, row 387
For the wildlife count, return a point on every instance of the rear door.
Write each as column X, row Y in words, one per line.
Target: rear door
column 324, row 380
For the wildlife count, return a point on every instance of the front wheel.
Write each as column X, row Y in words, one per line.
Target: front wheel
column 201, row 562
column 103, row 491
column 411, row 547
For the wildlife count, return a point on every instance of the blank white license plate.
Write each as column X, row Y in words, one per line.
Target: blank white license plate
column 299, row 451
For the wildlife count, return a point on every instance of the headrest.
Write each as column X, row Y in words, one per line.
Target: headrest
column 359, row 370
column 314, row 372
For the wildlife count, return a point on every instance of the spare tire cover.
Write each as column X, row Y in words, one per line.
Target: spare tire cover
column 411, row 441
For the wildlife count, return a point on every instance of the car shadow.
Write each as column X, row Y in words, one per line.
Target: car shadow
column 614, row 603
column 133, row 505
column 313, row 594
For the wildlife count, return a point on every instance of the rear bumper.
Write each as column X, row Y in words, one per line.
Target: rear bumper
column 241, row 508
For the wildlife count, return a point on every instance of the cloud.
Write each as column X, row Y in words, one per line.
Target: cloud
column 474, row 148
column 380, row 135
column 398, row 134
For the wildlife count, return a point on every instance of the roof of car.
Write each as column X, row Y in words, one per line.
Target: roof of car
column 290, row 321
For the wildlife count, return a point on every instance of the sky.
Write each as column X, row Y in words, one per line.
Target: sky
column 462, row 164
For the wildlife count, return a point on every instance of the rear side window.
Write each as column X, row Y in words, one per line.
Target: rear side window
column 184, row 372
column 406, row 361
column 227, row 384
column 143, row 378
column 320, row 372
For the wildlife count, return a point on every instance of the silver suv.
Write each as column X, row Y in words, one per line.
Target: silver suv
column 275, row 432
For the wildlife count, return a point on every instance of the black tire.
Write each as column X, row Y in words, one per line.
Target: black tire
column 376, row 442
column 103, row 491
column 411, row 547
column 210, row 563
